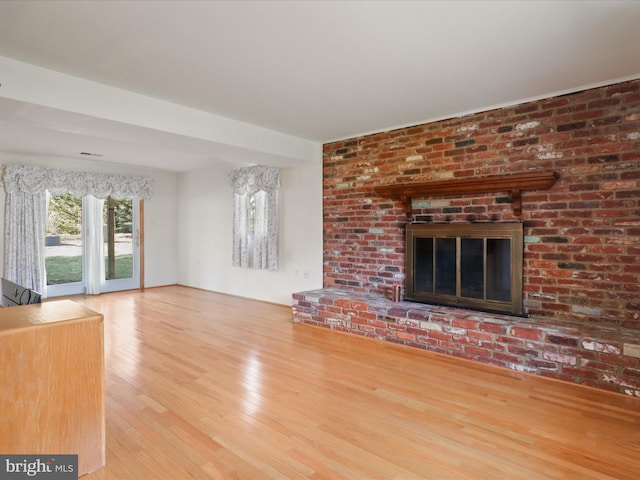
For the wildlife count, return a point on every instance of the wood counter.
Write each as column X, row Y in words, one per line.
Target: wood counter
column 52, row 382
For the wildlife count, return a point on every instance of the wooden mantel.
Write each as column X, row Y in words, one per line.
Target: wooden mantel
column 515, row 183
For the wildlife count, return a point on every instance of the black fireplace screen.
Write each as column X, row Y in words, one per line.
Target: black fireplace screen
column 468, row 265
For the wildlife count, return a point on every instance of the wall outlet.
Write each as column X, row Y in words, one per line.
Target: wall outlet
column 306, row 274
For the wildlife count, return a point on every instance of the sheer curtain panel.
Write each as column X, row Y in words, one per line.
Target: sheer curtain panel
column 94, row 243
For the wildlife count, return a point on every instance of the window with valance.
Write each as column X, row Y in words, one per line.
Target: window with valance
column 26, row 187
column 255, row 217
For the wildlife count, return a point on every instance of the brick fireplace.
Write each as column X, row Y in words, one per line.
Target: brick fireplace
column 581, row 255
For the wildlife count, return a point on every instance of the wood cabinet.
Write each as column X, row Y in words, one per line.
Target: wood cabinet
column 52, row 382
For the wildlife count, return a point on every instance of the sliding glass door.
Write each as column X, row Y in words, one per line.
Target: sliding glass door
column 64, row 249
column 121, row 245
column 88, row 247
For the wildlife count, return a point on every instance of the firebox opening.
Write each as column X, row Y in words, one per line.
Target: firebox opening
column 476, row 266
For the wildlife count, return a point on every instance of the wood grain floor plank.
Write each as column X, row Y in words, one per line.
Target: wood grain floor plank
column 207, row 386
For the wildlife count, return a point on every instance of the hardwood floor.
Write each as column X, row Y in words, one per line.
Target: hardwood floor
column 206, row 386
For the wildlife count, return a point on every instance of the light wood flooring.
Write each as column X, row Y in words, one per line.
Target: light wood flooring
column 207, row 386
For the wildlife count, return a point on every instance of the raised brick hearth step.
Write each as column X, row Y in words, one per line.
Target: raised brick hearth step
column 593, row 355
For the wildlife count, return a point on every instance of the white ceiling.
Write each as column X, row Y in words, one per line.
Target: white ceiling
column 319, row 70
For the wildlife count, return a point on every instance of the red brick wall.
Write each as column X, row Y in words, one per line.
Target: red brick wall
column 582, row 236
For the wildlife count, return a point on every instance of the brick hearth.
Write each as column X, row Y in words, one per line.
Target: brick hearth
column 593, row 355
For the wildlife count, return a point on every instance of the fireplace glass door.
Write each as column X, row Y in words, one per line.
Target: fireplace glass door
column 469, row 265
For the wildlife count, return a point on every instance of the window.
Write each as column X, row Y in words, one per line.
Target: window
column 120, row 225
column 91, row 245
column 27, row 188
column 468, row 265
column 255, row 217
column 63, row 241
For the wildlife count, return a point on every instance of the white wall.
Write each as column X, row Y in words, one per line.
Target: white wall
column 188, row 224
column 205, row 213
column 161, row 235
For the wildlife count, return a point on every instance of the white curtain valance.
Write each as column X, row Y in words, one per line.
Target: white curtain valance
column 253, row 179
column 33, row 180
